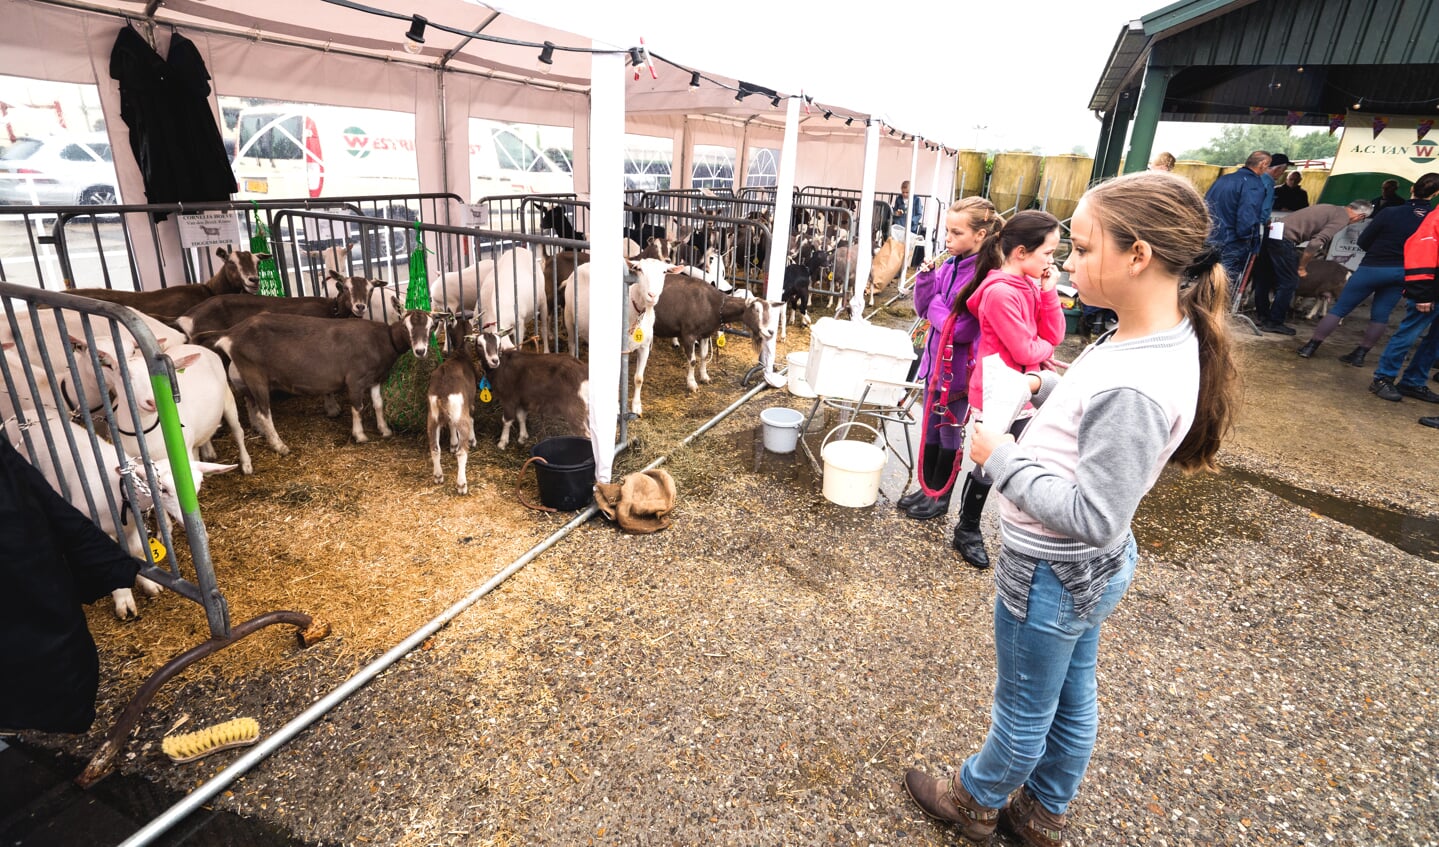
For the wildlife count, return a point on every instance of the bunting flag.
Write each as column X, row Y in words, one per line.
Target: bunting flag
column 1424, row 127
column 1379, row 123
column 1291, row 117
column 1255, row 111
column 1336, row 119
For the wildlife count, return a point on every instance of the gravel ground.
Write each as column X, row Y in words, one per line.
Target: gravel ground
column 764, row 671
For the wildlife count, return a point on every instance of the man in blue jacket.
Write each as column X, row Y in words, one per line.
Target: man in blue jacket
column 1236, row 211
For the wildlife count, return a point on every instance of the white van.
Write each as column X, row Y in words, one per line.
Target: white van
column 287, row 150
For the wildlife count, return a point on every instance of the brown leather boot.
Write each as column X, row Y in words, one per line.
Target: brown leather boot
column 944, row 799
column 1027, row 819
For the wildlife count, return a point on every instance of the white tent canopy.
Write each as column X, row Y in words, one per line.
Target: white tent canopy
column 331, row 53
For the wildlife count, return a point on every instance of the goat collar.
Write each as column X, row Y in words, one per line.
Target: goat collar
column 146, row 431
column 74, row 404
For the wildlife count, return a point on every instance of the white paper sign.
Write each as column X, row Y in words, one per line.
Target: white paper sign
column 1006, row 393
column 479, row 215
column 1276, row 230
column 211, row 229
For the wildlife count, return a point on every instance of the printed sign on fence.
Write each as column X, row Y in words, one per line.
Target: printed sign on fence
column 479, row 215
column 210, row 229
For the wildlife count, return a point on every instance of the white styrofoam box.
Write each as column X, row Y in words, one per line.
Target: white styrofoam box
column 843, row 354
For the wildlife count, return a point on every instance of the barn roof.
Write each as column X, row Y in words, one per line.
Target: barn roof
column 1257, row 61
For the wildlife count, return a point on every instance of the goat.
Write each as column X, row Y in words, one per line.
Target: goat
column 238, row 274
column 318, row 356
column 693, row 311
column 555, row 218
column 554, row 384
column 205, row 401
column 713, row 272
column 352, row 298
column 83, row 478
column 451, row 404
column 459, row 291
column 511, row 301
column 1322, row 280
column 639, row 308
column 335, row 258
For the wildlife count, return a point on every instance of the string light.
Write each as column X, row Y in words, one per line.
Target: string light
column 774, row 101
column 828, row 114
column 694, row 80
column 849, row 121
column 547, row 55
column 415, row 38
column 1359, row 104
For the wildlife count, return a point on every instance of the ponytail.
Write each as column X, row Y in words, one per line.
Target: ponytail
column 1206, row 305
column 987, row 258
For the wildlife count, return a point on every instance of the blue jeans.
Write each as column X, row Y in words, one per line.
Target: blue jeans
column 1046, row 710
column 1414, row 323
column 1274, row 290
column 1234, row 256
column 1385, row 284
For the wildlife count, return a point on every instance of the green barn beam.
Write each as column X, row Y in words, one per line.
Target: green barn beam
column 1146, row 119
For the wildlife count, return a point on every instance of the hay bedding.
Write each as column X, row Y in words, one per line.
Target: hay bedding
column 361, row 537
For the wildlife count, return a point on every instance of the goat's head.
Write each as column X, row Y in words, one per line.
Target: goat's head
column 352, row 294
column 489, row 345
column 758, row 319
column 649, row 282
column 244, row 265
column 418, row 325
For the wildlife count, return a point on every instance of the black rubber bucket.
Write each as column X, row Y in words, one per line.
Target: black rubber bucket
column 565, row 471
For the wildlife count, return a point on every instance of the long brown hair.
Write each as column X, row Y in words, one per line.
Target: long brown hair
column 1166, row 212
column 1028, row 229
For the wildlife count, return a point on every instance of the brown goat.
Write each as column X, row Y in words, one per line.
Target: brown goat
column 693, row 311
column 318, row 356
column 544, row 383
column 452, row 403
column 352, row 297
column 238, row 274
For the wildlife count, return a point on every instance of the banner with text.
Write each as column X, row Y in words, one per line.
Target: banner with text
column 1373, row 150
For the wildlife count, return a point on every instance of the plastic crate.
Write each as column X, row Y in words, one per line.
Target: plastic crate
column 843, row 354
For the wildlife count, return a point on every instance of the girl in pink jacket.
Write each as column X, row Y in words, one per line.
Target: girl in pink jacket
column 1021, row 320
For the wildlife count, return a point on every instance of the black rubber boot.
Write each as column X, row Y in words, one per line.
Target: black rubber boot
column 1308, row 349
column 968, row 541
column 930, row 507
column 909, row 500
column 1356, row 358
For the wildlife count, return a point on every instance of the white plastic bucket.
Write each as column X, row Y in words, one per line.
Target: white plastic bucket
column 851, row 469
column 798, row 384
column 781, row 429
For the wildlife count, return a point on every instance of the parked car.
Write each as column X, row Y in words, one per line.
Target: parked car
column 59, row 170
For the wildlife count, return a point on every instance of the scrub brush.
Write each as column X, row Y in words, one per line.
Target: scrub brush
column 190, row 746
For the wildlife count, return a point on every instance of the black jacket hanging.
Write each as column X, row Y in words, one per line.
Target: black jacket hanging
column 166, row 104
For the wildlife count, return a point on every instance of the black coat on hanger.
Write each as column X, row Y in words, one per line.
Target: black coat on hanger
column 166, row 104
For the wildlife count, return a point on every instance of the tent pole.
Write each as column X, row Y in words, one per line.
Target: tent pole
column 607, row 183
column 864, row 239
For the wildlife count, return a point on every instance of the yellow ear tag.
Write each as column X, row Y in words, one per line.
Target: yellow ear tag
column 638, row 335
column 157, row 551
column 484, row 386
column 830, row 278
column 719, row 339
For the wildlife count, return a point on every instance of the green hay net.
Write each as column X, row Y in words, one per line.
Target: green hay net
column 270, row 285
column 406, row 390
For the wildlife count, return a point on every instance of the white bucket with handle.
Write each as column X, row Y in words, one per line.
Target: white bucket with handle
column 781, row 428
column 852, row 469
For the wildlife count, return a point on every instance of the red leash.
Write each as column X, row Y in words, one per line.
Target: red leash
column 936, row 401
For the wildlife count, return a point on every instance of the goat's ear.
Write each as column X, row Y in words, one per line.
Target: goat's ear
column 399, row 307
column 378, row 283
column 260, row 257
column 222, row 252
column 210, row 468
column 186, row 361
column 633, row 266
column 675, row 269
column 335, row 275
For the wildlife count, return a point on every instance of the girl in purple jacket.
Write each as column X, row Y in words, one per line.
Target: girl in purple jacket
column 948, row 354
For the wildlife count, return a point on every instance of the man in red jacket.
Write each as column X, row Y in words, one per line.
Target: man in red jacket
column 1421, row 258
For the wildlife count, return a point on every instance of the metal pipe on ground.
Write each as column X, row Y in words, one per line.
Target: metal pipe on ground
column 192, row 801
